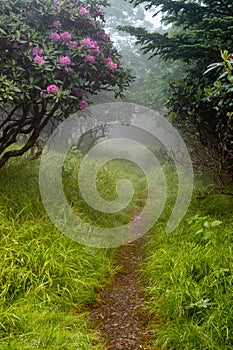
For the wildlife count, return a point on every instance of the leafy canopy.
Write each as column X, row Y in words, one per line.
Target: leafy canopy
column 54, row 55
column 199, row 30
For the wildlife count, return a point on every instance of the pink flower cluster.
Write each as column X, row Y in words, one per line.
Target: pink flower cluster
column 64, row 61
column 103, row 35
column 36, row 51
column 90, row 58
column 84, row 11
column 39, row 59
column 57, row 24
column 79, row 93
column 72, row 44
column 65, row 36
column 52, row 89
column 110, row 63
column 91, row 44
column 83, row 105
column 98, row 10
column 54, row 36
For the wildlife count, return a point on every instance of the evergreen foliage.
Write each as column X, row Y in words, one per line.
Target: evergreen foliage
column 199, row 31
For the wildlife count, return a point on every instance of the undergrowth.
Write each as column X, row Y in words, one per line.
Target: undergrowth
column 46, row 279
column 189, row 276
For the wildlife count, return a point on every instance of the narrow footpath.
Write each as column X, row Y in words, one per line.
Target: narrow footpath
column 119, row 314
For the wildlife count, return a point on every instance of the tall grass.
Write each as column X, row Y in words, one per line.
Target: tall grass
column 47, row 280
column 189, row 276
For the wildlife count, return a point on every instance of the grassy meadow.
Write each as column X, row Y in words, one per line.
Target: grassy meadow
column 189, row 275
column 48, row 281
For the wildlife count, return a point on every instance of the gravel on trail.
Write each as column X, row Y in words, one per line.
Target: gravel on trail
column 119, row 313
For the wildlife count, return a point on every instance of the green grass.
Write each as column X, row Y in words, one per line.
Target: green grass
column 189, row 277
column 47, row 280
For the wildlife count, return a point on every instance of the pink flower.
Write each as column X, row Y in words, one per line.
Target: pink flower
column 36, row 51
column 83, row 104
column 108, row 60
column 65, row 36
column 72, row 44
column 39, row 59
column 54, row 36
column 42, row 94
column 90, row 58
column 112, row 65
column 52, row 89
column 23, row 36
column 95, row 50
column 84, row 11
column 79, row 93
column 89, row 43
column 98, row 9
column 57, row 24
column 65, row 61
column 103, row 35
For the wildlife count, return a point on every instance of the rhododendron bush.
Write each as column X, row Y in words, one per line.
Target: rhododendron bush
column 54, row 55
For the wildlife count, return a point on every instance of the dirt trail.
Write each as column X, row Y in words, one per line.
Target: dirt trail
column 119, row 314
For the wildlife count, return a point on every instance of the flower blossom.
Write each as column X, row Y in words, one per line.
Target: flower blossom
column 65, row 36
column 84, row 11
column 52, row 89
column 54, row 36
column 72, row 44
column 104, row 35
column 98, row 10
column 90, row 58
column 83, row 104
column 79, row 93
column 95, row 50
column 65, row 61
column 57, row 24
column 36, row 51
column 39, row 59
column 89, row 43
column 110, row 63
column 42, row 94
